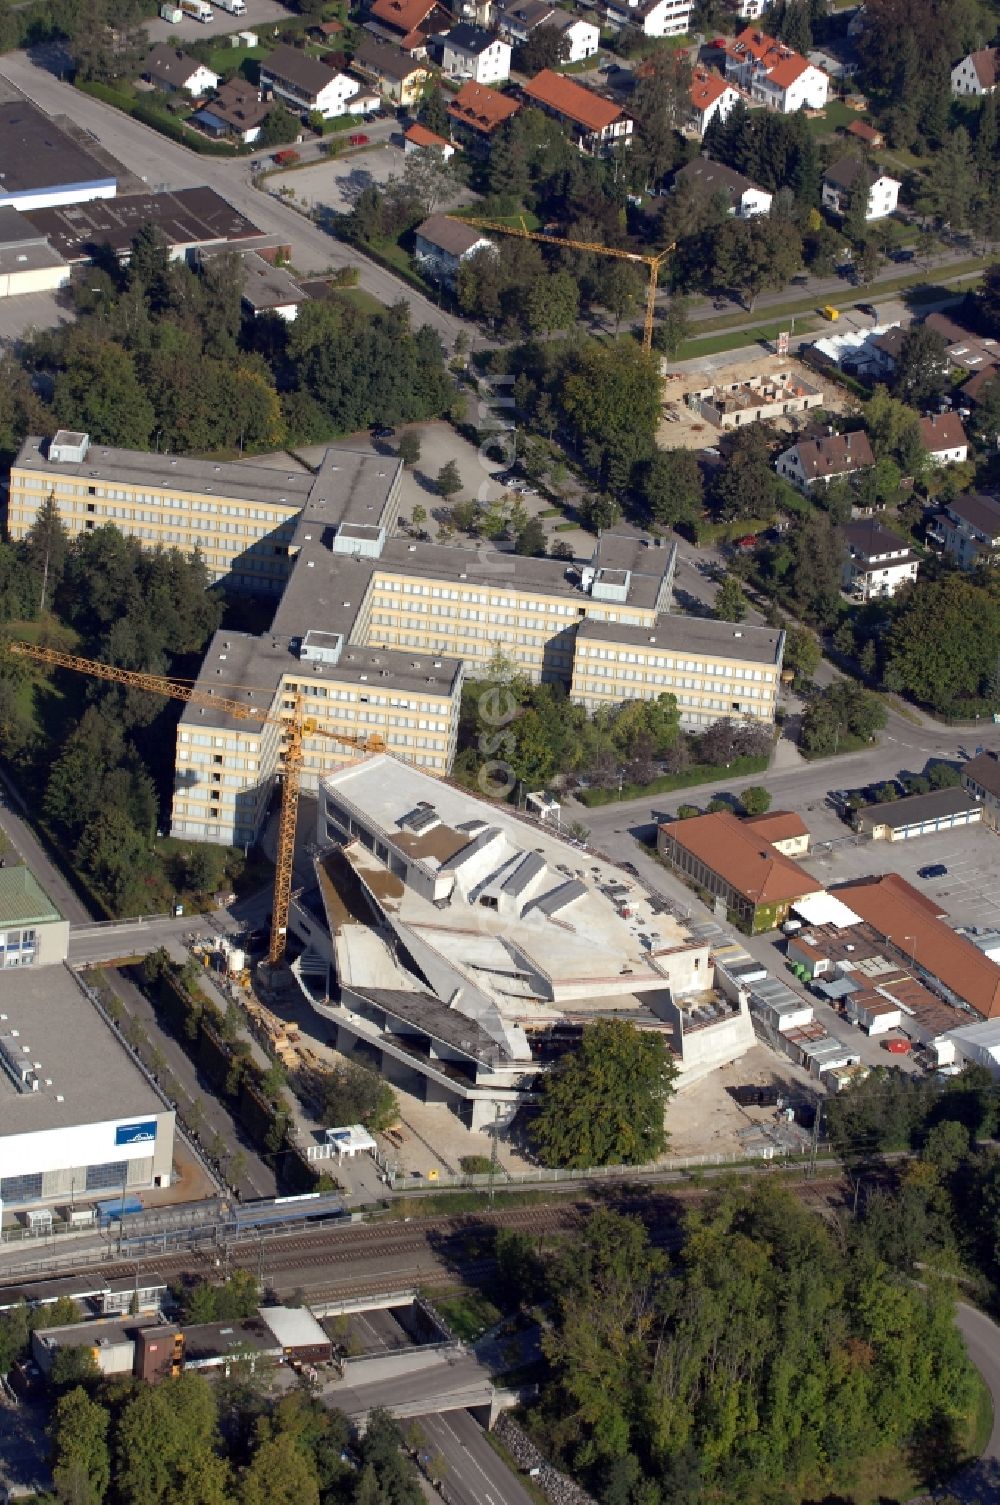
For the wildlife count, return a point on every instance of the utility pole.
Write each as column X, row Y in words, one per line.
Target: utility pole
column 494, row 1153
column 814, row 1147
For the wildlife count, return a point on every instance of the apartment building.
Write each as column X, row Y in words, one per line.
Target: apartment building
column 226, row 767
column 715, row 669
column 242, row 517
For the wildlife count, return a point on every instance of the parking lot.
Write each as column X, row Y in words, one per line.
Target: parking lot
column 969, row 893
column 336, row 183
column 262, row 15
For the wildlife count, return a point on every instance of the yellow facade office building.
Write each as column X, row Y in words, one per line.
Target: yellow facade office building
column 373, row 632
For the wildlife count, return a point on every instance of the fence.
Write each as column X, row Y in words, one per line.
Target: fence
column 542, row 1176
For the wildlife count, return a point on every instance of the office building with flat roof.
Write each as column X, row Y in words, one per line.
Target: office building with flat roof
column 78, row 1118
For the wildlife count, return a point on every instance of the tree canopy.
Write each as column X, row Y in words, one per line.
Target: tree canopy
column 603, row 1102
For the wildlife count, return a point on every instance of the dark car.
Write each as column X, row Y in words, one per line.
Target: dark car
column 932, row 870
column 867, row 308
column 899, row 256
column 380, row 431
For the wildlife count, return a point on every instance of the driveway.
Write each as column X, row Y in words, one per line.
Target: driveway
column 980, row 1484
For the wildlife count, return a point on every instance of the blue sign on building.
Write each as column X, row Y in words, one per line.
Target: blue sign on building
column 144, row 1133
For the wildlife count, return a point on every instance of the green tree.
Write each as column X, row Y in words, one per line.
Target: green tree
column 842, row 709
column 531, row 538
column 756, row 800
column 546, row 47
column 280, row 127
column 81, row 1457
column 74, row 1364
column 731, row 603
column 672, row 328
column 46, row 547
column 802, row 652
column 352, row 1094
column 621, row 291
column 944, row 641
column 671, row 487
column 449, row 481
column 604, row 1102
column 280, row 1473
column 98, row 392
column 609, row 394
column 922, row 366
column 752, row 255
column 165, row 1446
column 746, row 486
column 408, row 449
column 433, row 111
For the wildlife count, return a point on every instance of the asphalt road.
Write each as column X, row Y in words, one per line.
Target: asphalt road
column 981, row 1482
column 473, row 1473
column 164, row 164
column 28, row 847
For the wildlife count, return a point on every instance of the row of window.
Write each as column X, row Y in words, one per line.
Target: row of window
column 28, row 1187
column 150, row 499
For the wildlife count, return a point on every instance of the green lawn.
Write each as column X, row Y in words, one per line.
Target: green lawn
column 360, row 299
column 469, row 1314
column 227, row 60
column 836, row 117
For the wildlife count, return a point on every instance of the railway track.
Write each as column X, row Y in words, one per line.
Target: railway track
column 435, row 1249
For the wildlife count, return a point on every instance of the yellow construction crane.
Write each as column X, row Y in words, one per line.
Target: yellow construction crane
column 296, row 729
column 653, row 262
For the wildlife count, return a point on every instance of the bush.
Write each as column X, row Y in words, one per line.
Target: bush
column 475, row 1165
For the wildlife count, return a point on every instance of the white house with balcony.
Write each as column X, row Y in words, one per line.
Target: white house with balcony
column 879, row 562
column 470, row 52
column 775, row 76
column 305, row 85
column 654, row 18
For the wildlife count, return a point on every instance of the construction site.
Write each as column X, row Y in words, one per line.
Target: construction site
column 775, row 389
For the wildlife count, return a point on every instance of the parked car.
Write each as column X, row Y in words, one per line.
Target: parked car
column 359, row 139
column 932, row 870
column 867, row 308
column 382, row 431
column 286, row 157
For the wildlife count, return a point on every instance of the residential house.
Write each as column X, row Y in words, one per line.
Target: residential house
column 944, row 439
column 774, row 75
column 468, row 51
column 824, row 460
column 303, row 83
column 969, row 530
column 238, row 109
column 886, row 347
column 654, row 18
column 597, row 124
column 419, row 139
column 754, row 883
column 707, row 180
column 583, row 37
column 973, row 352
column 409, row 22
column 839, row 181
column 866, row 134
column 786, row 831
column 519, row 18
column 751, row 10
column 170, row 68
column 981, row 779
column 398, row 77
column 477, row 112
column 978, row 73
column 975, row 388
column 442, row 244
column 711, row 97
column 879, row 562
